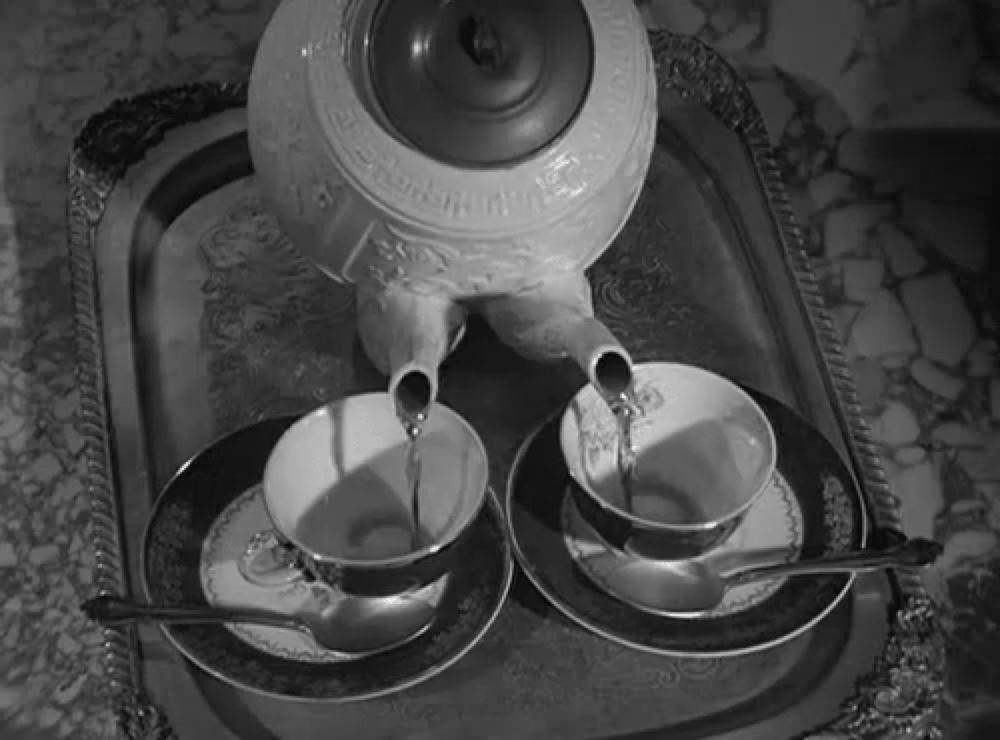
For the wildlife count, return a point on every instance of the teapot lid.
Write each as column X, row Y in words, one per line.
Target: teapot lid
column 480, row 83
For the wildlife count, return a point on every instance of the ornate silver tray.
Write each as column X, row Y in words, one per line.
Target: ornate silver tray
column 195, row 315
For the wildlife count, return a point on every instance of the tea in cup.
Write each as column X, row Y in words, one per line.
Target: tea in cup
column 337, row 492
column 705, row 452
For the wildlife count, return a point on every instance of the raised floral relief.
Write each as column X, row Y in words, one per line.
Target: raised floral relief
column 456, row 269
column 565, row 177
column 326, row 193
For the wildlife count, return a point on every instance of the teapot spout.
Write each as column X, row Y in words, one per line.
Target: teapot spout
column 607, row 365
column 407, row 335
column 556, row 319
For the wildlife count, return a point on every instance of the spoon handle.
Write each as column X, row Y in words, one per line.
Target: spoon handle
column 914, row 553
column 110, row 610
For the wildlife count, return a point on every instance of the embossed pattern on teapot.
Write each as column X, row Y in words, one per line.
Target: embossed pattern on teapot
column 348, row 120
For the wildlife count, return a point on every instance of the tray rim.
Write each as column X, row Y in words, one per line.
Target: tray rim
column 910, row 669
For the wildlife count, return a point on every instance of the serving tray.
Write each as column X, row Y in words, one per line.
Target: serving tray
column 195, row 316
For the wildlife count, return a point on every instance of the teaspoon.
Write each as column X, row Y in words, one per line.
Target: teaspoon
column 692, row 586
column 353, row 627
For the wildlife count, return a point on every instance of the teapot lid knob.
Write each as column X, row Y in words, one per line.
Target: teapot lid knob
column 480, row 83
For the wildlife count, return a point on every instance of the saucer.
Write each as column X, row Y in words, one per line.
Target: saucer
column 198, row 528
column 819, row 512
column 772, row 532
column 225, row 586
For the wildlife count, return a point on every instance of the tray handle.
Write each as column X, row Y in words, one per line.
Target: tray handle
column 901, row 697
column 109, row 143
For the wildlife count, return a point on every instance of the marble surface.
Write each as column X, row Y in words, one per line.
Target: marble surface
column 885, row 113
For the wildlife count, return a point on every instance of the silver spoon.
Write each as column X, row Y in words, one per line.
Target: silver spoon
column 693, row 586
column 353, row 627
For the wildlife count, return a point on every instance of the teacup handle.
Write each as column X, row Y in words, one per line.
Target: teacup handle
column 270, row 562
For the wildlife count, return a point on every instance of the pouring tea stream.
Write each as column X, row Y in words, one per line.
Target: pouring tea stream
column 412, row 398
column 616, row 385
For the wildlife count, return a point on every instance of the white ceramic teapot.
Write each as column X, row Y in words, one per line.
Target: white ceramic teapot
column 448, row 156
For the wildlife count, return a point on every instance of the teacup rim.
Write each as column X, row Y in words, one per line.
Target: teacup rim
column 398, row 560
column 566, row 421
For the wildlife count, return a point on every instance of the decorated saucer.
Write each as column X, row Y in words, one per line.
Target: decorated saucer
column 811, row 508
column 225, row 586
column 771, row 533
column 196, row 533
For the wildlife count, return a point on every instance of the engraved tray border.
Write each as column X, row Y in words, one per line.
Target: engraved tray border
column 901, row 697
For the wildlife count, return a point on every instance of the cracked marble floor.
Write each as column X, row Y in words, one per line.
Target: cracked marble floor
column 888, row 132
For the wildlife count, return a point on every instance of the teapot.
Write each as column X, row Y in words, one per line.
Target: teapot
column 457, row 156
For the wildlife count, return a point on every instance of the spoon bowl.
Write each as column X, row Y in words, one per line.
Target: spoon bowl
column 352, row 627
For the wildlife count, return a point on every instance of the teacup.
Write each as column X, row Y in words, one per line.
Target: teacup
column 337, row 493
column 705, row 453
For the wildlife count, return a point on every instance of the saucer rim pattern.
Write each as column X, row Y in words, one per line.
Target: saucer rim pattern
column 172, row 545
column 845, row 526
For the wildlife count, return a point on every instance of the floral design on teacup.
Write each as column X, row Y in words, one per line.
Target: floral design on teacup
column 598, row 428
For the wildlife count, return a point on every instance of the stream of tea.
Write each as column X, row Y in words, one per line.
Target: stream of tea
column 689, row 476
column 365, row 514
column 413, row 427
column 413, row 399
column 625, row 408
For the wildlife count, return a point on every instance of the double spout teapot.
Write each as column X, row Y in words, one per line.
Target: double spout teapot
column 456, row 156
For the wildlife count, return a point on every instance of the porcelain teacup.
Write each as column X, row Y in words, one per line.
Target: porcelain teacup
column 337, row 493
column 705, row 453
